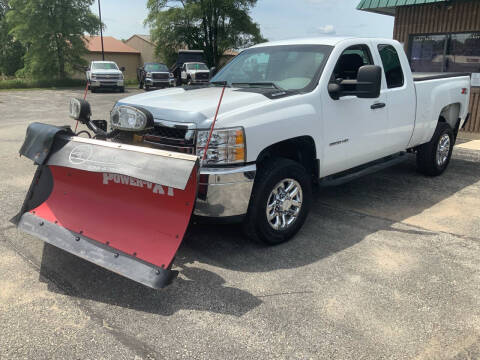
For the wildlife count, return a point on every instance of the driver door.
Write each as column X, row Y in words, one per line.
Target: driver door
column 355, row 130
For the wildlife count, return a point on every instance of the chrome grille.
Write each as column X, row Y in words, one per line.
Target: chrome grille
column 107, row 77
column 169, row 132
column 177, row 138
column 160, row 76
column 202, row 76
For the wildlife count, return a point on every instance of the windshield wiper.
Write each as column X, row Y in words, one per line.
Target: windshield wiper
column 262, row 84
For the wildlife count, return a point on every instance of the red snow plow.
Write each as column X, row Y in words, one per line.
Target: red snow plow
column 125, row 208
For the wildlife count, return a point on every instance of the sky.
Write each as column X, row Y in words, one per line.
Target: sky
column 278, row 19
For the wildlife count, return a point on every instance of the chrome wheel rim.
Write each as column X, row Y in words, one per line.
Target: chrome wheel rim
column 443, row 150
column 284, row 204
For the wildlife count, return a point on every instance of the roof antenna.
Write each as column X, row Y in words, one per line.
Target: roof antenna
column 214, row 121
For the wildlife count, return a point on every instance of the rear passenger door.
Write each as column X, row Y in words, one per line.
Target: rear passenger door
column 400, row 94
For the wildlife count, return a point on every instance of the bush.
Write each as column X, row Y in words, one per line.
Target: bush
column 47, row 83
column 19, row 83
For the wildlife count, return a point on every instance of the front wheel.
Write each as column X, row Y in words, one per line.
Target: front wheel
column 434, row 156
column 280, row 202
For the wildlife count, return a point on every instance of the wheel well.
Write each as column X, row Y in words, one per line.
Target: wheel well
column 300, row 149
column 450, row 114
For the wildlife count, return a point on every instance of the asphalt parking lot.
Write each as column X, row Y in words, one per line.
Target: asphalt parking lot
column 386, row 266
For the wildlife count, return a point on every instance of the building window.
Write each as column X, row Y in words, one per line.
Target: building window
column 391, row 66
column 455, row 52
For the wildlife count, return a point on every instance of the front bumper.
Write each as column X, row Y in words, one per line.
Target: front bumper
column 106, row 83
column 158, row 83
column 225, row 192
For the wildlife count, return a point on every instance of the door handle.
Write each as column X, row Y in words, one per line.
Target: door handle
column 377, row 106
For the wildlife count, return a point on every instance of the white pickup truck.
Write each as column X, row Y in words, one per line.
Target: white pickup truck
column 105, row 74
column 301, row 112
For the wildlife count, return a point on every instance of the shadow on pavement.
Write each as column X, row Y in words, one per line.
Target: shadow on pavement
column 196, row 289
column 335, row 224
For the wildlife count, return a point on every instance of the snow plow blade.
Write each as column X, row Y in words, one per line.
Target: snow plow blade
column 125, row 208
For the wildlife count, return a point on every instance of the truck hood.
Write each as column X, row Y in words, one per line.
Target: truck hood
column 196, row 106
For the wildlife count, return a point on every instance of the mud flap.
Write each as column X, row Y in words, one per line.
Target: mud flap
column 125, row 208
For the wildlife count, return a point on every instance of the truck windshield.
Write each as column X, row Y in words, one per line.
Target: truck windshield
column 104, row 66
column 289, row 67
column 197, row 67
column 156, row 67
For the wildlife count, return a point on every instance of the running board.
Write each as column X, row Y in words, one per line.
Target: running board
column 362, row 170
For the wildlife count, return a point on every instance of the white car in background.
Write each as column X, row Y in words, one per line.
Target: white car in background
column 105, row 74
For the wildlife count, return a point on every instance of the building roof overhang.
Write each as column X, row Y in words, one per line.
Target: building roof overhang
column 388, row 7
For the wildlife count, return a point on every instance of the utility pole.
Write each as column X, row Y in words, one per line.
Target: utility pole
column 101, row 29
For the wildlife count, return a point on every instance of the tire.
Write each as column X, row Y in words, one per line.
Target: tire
column 147, row 88
column 432, row 160
column 272, row 173
column 189, row 82
column 122, row 89
column 93, row 90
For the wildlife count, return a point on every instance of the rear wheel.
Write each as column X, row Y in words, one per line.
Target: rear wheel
column 434, row 156
column 280, row 202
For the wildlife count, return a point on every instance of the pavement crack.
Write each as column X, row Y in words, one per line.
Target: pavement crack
column 286, row 293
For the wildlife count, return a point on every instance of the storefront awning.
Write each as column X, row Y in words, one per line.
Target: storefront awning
column 387, row 7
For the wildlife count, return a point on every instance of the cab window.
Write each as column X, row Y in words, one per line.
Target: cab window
column 351, row 60
column 391, row 66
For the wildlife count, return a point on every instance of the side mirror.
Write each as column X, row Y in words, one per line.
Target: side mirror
column 122, row 69
column 367, row 85
column 213, row 71
column 369, row 82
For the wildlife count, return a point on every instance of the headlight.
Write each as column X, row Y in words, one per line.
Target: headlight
column 149, row 75
column 130, row 118
column 171, row 75
column 227, row 146
column 79, row 109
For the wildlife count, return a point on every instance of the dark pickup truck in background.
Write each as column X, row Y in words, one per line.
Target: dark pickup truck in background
column 186, row 56
column 154, row 75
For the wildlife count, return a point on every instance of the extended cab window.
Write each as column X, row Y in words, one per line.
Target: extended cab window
column 391, row 66
column 352, row 59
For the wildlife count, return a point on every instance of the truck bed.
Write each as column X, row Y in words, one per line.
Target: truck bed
column 424, row 76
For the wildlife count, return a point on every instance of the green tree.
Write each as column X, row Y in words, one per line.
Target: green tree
column 209, row 25
column 11, row 50
column 52, row 32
